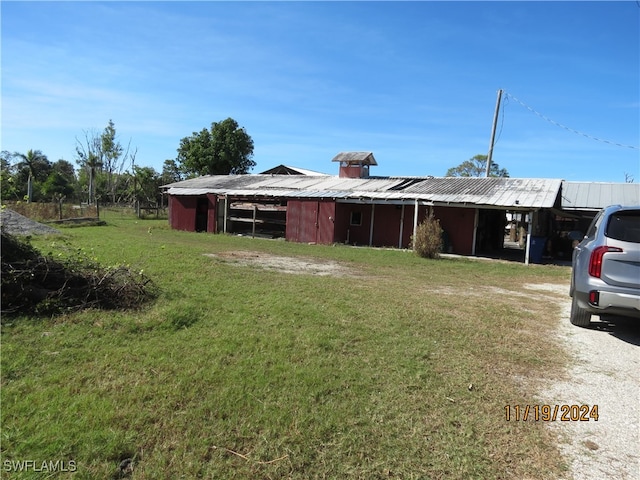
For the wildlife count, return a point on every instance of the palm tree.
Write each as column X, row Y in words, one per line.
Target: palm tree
column 92, row 163
column 89, row 156
column 29, row 161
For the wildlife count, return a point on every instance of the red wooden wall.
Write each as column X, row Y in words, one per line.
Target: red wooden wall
column 213, row 205
column 386, row 230
column 458, row 223
column 310, row 221
column 352, row 234
column 183, row 211
column 324, row 221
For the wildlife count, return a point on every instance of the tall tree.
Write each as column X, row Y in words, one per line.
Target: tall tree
column 89, row 157
column 57, row 185
column 103, row 154
column 149, row 182
column 61, row 182
column 114, row 157
column 7, row 176
column 170, row 172
column 66, row 169
column 224, row 149
column 35, row 163
column 476, row 167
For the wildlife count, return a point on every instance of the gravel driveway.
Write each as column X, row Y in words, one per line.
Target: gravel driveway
column 606, row 373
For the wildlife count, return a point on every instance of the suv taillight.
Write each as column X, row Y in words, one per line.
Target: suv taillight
column 595, row 262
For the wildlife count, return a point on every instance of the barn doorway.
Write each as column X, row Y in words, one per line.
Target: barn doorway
column 490, row 231
column 202, row 214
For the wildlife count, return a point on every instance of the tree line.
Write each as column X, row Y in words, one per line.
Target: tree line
column 107, row 170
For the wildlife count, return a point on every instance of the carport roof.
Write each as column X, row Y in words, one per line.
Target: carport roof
column 511, row 193
column 595, row 195
column 516, row 193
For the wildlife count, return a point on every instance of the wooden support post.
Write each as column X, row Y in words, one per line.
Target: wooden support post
column 476, row 217
column 527, row 251
column 226, row 212
column 415, row 223
column 373, row 215
column 253, row 229
column 401, row 226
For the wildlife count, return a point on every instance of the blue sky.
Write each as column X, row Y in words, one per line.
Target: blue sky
column 413, row 82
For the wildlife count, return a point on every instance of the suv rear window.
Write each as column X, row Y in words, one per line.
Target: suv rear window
column 624, row 226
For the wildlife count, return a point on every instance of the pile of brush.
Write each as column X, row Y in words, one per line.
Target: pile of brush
column 35, row 284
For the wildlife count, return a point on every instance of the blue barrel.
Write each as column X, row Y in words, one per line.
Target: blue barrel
column 536, row 249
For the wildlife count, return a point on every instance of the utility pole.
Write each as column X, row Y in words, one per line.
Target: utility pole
column 493, row 133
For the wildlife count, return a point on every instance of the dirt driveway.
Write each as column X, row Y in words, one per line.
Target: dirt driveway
column 605, row 372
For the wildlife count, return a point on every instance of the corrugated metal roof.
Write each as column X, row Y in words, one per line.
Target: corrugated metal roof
column 289, row 170
column 595, row 196
column 511, row 193
column 517, row 193
column 189, row 191
column 364, row 158
column 289, row 182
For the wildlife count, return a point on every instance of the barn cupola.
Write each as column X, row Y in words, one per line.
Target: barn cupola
column 354, row 164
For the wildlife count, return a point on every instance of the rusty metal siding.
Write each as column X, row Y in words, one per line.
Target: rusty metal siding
column 386, row 229
column 355, row 234
column 407, row 228
column 183, row 213
column 308, row 228
column 351, row 171
column 301, row 221
column 293, row 220
column 458, row 223
column 311, row 221
column 326, row 222
column 341, row 223
column 212, row 215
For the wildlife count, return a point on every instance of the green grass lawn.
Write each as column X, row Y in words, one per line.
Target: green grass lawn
column 401, row 369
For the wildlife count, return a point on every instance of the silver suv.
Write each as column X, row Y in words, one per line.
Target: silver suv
column 605, row 278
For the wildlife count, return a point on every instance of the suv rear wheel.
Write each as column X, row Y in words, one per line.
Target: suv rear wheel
column 579, row 316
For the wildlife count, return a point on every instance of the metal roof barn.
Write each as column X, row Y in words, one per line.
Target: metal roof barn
column 512, row 193
column 357, row 208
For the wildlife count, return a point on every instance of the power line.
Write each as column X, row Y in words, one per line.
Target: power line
column 557, row 124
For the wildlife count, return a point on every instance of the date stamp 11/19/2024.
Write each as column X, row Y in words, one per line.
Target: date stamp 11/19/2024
column 551, row 413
